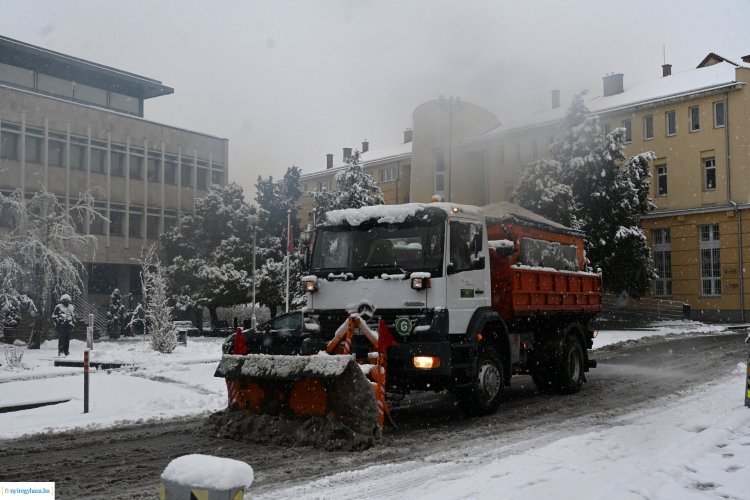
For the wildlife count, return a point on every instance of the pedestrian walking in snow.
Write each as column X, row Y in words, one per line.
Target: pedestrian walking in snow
column 64, row 318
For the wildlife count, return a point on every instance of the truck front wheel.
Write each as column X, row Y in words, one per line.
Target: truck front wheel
column 485, row 394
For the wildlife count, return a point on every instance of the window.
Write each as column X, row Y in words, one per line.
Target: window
column 439, row 172
column 9, row 148
column 218, row 178
column 96, row 226
column 663, row 261
column 154, row 169
column 17, row 76
column 671, row 118
column 518, row 151
column 388, row 174
column 77, row 157
column 709, row 173
column 607, row 129
column 501, row 153
column 134, row 228
column 628, row 126
column 53, row 85
column 125, row 103
column 136, row 167
column 710, row 260
column 92, row 95
column 508, row 191
column 661, row 180
column 56, row 153
column 33, row 149
column 170, row 172
column 323, row 185
column 201, row 180
column 695, row 123
column 648, row 127
column 152, row 227
column 97, row 160
column 116, row 223
column 102, row 278
column 187, row 175
column 463, row 249
column 118, row 164
column 719, row 119
column 534, row 149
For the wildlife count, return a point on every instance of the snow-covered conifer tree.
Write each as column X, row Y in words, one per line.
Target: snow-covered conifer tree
column 155, row 300
column 115, row 315
column 588, row 182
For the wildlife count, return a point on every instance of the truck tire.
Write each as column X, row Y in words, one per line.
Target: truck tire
column 569, row 376
column 484, row 395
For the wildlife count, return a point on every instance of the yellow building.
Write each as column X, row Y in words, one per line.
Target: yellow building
column 698, row 124
column 389, row 166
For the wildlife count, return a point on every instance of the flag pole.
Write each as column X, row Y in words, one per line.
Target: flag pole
column 288, row 248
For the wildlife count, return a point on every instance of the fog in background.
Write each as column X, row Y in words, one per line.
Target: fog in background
column 289, row 81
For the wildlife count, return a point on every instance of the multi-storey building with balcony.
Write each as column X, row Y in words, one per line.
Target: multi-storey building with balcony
column 73, row 126
column 698, row 124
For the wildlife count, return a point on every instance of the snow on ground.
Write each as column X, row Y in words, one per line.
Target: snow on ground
column 695, row 445
column 154, row 385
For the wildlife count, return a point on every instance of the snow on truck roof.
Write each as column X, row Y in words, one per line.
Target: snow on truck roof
column 388, row 214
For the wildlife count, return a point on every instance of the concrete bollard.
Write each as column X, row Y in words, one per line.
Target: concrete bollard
column 205, row 477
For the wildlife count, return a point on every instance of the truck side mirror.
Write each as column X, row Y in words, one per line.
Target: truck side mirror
column 478, row 263
column 450, row 268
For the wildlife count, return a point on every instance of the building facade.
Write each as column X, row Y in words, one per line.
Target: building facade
column 74, row 126
column 698, row 124
column 389, row 166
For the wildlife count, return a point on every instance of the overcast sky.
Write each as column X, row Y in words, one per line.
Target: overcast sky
column 289, row 81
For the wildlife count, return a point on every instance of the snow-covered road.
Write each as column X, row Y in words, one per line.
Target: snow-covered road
column 661, row 417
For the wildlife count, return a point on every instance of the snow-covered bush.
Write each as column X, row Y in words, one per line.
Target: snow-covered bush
column 244, row 312
column 14, row 357
column 115, row 315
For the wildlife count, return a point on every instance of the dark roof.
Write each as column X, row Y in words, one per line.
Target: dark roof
column 713, row 58
column 72, row 68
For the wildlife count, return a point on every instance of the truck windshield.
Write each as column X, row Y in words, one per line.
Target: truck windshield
column 370, row 250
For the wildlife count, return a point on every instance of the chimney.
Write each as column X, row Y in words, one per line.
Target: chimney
column 555, row 99
column 407, row 135
column 329, row 160
column 666, row 69
column 347, row 153
column 746, row 59
column 613, row 84
column 365, row 146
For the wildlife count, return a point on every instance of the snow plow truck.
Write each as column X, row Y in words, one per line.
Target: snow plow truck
column 435, row 297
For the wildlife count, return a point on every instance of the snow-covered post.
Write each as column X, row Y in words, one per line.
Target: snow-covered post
column 205, row 476
column 90, row 333
column 85, row 381
column 253, row 220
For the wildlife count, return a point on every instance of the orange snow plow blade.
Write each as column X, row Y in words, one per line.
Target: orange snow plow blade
column 301, row 386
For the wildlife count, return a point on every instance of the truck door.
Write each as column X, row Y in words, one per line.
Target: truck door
column 467, row 283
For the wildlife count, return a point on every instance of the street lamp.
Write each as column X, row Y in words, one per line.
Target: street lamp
column 253, row 220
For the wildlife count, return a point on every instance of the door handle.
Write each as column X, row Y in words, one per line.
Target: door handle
column 479, row 292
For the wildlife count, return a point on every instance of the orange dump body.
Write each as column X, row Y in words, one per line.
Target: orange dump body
column 519, row 290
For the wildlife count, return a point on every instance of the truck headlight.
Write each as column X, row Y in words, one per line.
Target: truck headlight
column 426, row 362
column 420, row 283
column 310, row 286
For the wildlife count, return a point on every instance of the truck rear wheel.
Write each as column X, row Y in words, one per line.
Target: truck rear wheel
column 485, row 394
column 570, row 367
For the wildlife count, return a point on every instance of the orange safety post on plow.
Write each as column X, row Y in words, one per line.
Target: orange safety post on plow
column 234, row 391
